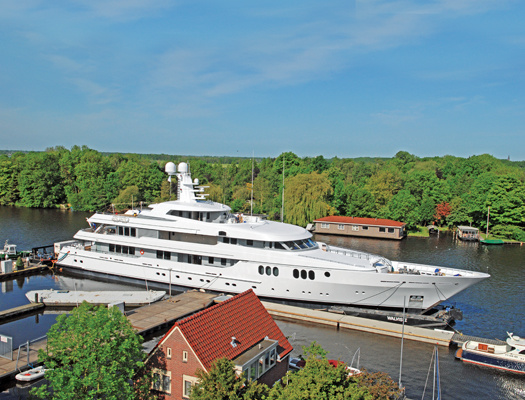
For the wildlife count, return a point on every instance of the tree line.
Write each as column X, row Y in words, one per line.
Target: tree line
column 448, row 191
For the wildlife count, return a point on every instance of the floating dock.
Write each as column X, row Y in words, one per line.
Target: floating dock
column 72, row 298
column 338, row 321
column 21, row 310
column 24, row 272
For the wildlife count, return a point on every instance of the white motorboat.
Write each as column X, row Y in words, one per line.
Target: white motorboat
column 507, row 357
column 31, row 374
column 196, row 243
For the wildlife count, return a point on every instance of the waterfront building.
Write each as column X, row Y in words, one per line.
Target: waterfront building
column 363, row 227
column 239, row 329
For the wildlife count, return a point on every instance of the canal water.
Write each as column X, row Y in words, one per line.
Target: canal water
column 490, row 308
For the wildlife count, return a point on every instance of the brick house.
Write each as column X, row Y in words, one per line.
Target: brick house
column 239, row 328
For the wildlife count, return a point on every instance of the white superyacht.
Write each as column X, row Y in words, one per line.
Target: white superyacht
column 196, row 243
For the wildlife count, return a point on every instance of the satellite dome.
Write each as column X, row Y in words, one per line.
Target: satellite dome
column 170, row 168
column 183, row 168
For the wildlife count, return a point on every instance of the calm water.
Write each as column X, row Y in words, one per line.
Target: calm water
column 490, row 308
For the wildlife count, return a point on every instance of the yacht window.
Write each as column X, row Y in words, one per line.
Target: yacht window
column 303, row 274
column 261, row 270
column 111, row 247
column 311, row 275
column 118, row 248
column 233, row 241
column 275, row 271
column 226, row 240
column 296, row 273
column 133, row 232
column 210, row 260
column 279, row 246
column 121, row 230
column 268, row 271
column 223, row 261
column 132, row 251
column 302, row 245
column 126, row 231
column 249, row 243
column 222, row 233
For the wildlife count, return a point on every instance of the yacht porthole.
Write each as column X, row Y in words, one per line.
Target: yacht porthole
column 327, row 274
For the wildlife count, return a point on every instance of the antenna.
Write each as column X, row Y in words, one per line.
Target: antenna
column 282, row 207
column 251, row 200
column 170, row 169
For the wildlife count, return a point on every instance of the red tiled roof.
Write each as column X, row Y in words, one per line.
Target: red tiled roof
column 243, row 316
column 361, row 221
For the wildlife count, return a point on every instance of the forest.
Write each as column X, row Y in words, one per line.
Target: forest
column 448, row 191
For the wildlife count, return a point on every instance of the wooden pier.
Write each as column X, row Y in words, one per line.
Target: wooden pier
column 31, row 270
column 165, row 313
column 9, row 368
column 20, row 310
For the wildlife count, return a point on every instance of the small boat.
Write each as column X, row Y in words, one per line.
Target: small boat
column 492, row 241
column 31, row 374
column 72, row 298
column 351, row 370
column 296, row 363
column 507, row 357
column 9, row 252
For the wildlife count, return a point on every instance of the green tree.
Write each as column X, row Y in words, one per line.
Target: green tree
column 222, row 383
column 307, row 198
column 94, row 353
column 318, row 380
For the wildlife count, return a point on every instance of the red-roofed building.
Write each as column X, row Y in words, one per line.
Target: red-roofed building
column 239, row 329
column 365, row 227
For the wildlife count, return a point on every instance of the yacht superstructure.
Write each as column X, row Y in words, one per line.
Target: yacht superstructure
column 197, row 243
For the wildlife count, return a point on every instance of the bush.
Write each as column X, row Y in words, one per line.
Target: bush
column 509, row 231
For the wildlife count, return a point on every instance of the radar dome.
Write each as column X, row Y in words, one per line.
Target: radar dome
column 170, row 168
column 183, row 168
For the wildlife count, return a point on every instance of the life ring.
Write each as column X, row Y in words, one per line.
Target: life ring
column 141, row 252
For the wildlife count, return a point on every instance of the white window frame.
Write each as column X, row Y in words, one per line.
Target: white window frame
column 341, row 227
column 162, row 374
column 325, row 225
column 192, row 381
column 184, row 356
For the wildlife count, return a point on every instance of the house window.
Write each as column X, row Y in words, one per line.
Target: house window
column 355, row 227
column 325, row 225
column 341, row 227
column 184, row 356
column 161, row 380
column 365, row 228
column 187, row 384
column 390, row 230
column 168, row 352
column 381, row 229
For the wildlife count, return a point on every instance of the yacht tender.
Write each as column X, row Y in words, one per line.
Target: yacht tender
column 197, row 243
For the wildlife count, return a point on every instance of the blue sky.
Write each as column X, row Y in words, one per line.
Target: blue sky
column 332, row 78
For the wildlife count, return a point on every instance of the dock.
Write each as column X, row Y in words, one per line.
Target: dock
column 164, row 313
column 21, row 358
column 20, row 310
column 36, row 269
column 339, row 321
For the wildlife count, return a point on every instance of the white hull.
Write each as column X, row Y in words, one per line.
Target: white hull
column 199, row 244
column 348, row 287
